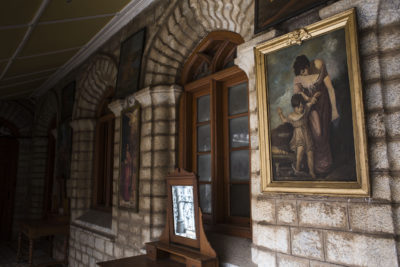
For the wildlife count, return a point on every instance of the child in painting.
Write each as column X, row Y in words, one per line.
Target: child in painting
column 301, row 141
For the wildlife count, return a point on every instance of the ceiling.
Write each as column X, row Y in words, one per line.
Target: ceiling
column 42, row 40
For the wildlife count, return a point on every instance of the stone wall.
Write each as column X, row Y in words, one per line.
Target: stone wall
column 297, row 230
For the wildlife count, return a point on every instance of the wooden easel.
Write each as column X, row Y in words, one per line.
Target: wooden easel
column 199, row 255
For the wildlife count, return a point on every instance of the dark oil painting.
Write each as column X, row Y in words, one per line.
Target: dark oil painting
column 271, row 12
column 129, row 164
column 130, row 64
column 310, row 111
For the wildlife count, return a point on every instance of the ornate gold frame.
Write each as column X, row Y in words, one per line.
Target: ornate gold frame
column 361, row 187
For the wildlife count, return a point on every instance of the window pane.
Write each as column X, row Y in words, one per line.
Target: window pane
column 205, row 198
column 204, row 167
column 239, row 165
column 203, row 138
column 239, row 132
column 203, row 108
column 238, row 99
column 240, row 200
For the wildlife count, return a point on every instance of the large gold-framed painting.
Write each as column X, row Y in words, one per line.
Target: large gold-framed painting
column 312, row 130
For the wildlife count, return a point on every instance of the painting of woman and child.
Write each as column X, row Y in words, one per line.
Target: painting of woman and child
column 310, row 115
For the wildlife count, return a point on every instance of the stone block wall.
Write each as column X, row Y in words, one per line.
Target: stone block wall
column 298, row 230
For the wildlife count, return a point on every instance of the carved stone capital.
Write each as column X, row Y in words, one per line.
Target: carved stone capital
column 117, row 106
column 157, row 95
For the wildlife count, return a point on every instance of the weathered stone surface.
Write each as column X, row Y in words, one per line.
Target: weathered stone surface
column 381, row 187
column 371, row 68
column 390, row 65
column 360, row 250
column 322, row 264
column 375, row 125
column 326, row 215
column 275, row 238
column 393, row 124
column 371, row 218
column 391, row 94
column 290, row 261
column 368, row 43
column 378, row 156
column 394, row 155
column 263, row 258
column 264, row 210
column 366, row 11
column 286, row 212
column 395, row 187
column 396, row 216
column 307, row 243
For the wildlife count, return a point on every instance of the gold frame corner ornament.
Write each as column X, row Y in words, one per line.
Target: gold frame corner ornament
column 359, row 188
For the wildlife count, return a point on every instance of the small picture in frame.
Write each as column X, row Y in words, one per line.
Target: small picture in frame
column 183, row 208
column 183, row 211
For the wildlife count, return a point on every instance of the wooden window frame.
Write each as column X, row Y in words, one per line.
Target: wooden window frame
column 105, row 165
column 216, row 85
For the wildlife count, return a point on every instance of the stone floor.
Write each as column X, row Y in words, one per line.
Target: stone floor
column 8, row 254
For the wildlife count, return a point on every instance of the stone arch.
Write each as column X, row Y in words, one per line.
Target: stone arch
column 100, row 75
column 18, row 116
column 45, row 114
column 187, row 24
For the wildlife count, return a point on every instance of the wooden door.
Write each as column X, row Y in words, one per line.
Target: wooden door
column 8, row 171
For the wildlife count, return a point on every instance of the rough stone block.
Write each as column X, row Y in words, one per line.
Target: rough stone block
column 322, row 264
column 286, row 212
column 146, row 143
column 325, row 215
column 381, row 187
column 390, row 66
column 371, row 68
column 263, row 258
column 163, row 142
column 263, row 210
column 118, row 252
column 371, row 218
column 360, row 250
column 146, row 128
column 394, row 155
column 290, row 261
column 391, row 94
column 307, row 243
column 163, row 158
column 395, row 187
column 375, row 125
column 368, row 43
column 275, row 238
column 99, row 244
column 396, row 215
column 393, row 124
column 378, row 156
column 145, row 159
column 255, row 161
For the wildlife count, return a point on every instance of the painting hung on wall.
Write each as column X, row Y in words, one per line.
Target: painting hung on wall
column 129, row 64
column 129, row 156
column 271, row 12
column 312, row 132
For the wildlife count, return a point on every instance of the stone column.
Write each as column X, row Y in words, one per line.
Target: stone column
column 158, row 151
column 79, row 186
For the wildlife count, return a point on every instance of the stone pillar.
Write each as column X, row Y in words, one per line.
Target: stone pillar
column 79, row 186
column 158, row 152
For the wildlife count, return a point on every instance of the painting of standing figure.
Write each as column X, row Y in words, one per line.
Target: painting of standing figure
column 129, row 156
column 312, row 133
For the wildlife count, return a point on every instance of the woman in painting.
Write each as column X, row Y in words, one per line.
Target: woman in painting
column 126, row 192
column 311, row 78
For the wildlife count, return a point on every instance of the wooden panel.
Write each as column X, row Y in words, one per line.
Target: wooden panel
column 10, row 40
column 54, row 37
column 34, row 64
column 14, row 12
column 57, row 10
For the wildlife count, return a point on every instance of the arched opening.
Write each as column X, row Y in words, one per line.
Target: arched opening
column 214, row 132
column 8, row 174
column 103, row 154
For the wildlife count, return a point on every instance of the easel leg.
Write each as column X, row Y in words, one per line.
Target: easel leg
column 30, row 252
column 19, row 246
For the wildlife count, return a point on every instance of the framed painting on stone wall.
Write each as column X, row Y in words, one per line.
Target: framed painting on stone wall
column 311, row 116
column 130, row 61
column 129, row 158
column 271, row 12
column 183, row 208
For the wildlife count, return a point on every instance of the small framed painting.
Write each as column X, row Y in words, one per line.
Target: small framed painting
column 311, row 115
column 129, row 158
column 183, row 207
column 271, row 12
column 130, row 62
